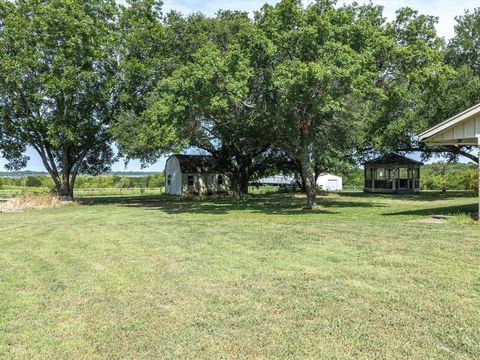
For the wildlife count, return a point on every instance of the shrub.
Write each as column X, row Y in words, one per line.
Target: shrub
column 156, row 181
column 469, row 180
column 441, row 182
column 33, row 181
column 123, row 182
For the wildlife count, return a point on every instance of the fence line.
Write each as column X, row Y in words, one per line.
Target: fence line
column 119, row 189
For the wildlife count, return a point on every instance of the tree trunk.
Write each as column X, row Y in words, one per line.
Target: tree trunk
column 317, row 173
column 244, row 181
column 65, row 192
column 64, row 180
column 65, row 186
column 240, row 178
column 301, row 181
column 309, row 181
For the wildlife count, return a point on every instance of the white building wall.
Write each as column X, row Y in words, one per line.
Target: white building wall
column 204, row 184
column 464, row 132
column 329, row 182
column 173, row 171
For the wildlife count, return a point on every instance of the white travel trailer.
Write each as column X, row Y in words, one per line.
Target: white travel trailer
column 329, row 182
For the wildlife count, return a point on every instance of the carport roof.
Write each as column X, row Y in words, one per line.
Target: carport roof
column 461, row 129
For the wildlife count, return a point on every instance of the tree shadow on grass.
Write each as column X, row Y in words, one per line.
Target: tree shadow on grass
column 420, row 196
column 279, row 204
column 446, row 210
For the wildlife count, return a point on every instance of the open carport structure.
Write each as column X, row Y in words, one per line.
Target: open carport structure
column 461, row 129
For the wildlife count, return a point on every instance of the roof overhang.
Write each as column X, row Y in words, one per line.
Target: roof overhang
column 461, row 129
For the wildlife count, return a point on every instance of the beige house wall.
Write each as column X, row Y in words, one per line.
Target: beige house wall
column 204, row 184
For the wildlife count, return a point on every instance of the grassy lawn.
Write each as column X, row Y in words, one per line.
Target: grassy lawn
column 154, row 277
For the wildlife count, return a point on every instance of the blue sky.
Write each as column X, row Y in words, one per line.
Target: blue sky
column 445, row 10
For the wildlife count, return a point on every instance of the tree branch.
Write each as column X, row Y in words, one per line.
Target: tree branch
column 53, row 174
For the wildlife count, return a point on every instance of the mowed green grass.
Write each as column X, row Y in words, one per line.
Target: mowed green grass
column 155, row 277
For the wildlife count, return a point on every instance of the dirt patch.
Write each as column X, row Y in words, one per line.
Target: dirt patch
column 24, row 202
column 431, row 220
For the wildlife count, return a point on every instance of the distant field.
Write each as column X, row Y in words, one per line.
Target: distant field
column 85, row 192
column 362, row 277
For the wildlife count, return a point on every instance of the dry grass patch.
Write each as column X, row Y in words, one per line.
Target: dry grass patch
column 32, row 201
column 430, row 220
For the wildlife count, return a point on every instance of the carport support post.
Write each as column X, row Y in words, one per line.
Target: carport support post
column 478, row 154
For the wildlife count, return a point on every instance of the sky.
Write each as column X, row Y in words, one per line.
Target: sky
column 445, row 10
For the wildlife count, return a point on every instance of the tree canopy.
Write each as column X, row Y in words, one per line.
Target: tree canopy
column 322, row 69
column 57, row 85
column 296, row 88
column 302, row 87
column 426, row 81
column 208, row 100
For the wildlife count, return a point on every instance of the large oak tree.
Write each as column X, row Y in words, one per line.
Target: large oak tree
column 57, row 85
column 424, row 81
column 206, row 95
column 322, row 68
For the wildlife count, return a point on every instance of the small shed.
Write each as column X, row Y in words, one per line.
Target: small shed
column 392, row 173
column 329, row 182
column 461, row 129
column 194, row 175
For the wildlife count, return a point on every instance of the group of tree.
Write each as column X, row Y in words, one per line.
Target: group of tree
column 296, row 88
column 88, row 182
column 444, row 176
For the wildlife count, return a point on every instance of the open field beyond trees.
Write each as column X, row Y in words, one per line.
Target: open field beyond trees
column 361, row 276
